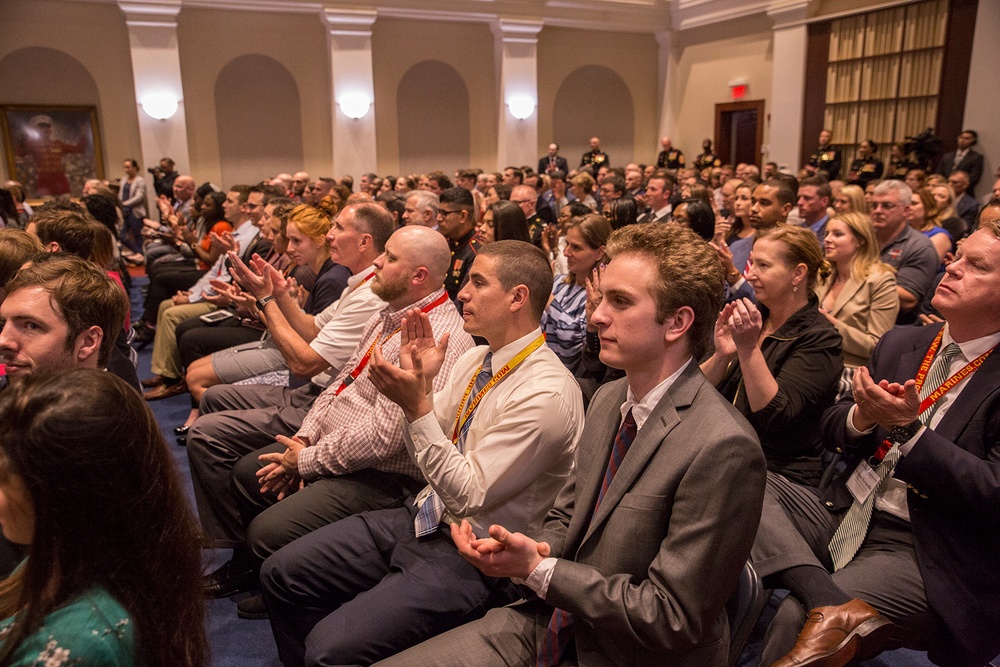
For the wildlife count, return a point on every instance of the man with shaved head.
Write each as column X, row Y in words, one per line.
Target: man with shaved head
column 348, row 449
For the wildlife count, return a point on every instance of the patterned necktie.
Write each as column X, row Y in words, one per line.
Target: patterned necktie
column 559, row 632
column 852, row 530
column 429, row 516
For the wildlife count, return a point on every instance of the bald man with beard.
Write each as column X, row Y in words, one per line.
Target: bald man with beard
column 347, row 448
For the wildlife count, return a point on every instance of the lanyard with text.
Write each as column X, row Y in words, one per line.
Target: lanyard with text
column 461, row 417
column 364, row 280
column 371, row 348
column 947, row 385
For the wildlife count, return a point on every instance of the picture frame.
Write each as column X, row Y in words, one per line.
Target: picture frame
column 51, row 149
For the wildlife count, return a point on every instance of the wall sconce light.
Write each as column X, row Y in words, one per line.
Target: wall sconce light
column 160, row 106
column 354, row 105
column 521, row 106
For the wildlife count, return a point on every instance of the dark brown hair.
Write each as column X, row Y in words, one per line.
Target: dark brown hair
column 109, row 513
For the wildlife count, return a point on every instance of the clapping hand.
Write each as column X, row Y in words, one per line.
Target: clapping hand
column 502, row 554
column 594, row 295
column 745, row 323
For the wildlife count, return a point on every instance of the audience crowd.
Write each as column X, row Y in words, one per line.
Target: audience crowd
column 538, row 416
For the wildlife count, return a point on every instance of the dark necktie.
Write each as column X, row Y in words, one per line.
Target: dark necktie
column 559, row 631
column 429, row 515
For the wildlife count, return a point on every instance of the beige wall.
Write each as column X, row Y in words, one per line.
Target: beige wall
column 210, row 39
column 466, row 47
column 96, row 37
column 703, row 62
column 633, row 57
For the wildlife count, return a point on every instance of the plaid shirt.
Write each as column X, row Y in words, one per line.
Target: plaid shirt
column 361, row 428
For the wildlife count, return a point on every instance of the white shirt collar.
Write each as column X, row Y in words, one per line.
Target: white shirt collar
column 642, row 409
column 510, row 350
column 971, row 349
column 359, row 276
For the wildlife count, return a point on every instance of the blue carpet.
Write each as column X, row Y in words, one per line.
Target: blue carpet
column 240, row 643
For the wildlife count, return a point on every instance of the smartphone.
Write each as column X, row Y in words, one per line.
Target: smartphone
column 215, row 316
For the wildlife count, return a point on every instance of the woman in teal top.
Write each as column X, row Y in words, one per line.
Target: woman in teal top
column 112, row 574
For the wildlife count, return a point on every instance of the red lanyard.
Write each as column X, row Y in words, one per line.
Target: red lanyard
column 946, row 386
column 371, row 348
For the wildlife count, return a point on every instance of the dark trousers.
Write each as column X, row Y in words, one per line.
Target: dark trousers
column 796, row 528
column 235, row 421
column 195, row 339
column 166, row 282
column 365, row 588
column 271, row 524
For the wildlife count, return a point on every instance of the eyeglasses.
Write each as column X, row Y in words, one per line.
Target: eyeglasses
column 885, row 206
column 521, row 201
column 443, row 213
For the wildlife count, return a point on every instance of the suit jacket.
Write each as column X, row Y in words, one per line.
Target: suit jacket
column 953, row 479
column 649, row 576
column 561, row 164
column 865, row 310
column 972, row 164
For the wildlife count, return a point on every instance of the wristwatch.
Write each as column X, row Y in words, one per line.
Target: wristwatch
column 902, row 434
column 261, row 303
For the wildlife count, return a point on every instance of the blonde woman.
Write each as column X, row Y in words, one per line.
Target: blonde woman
column 923, row 214
column 859, row 296
column 850, row 198
column 946, row 217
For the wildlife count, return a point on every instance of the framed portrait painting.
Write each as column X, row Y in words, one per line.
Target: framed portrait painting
column 51, row 150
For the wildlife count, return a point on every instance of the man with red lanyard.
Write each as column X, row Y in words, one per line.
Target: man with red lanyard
column 910, row 529
column 495, row 444
column 347, row 455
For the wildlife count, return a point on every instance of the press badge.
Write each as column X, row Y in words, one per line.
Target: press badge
column 862, row 482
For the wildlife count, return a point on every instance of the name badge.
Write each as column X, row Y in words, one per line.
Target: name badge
column 862, row 482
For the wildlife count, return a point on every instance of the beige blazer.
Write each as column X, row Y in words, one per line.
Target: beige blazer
column 864, row 310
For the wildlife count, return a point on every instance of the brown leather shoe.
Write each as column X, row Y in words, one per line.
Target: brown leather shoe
column 166, row 391
column 154, row 381
column 833, row 636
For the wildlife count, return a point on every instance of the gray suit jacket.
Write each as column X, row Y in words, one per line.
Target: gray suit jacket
column 648, row 578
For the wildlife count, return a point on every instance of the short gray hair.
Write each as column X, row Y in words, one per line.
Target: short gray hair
column 902, row 191
column 425, row 199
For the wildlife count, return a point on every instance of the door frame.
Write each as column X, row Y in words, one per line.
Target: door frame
column 758, row 106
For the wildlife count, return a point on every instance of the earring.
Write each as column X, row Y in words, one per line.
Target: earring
column 795, row 288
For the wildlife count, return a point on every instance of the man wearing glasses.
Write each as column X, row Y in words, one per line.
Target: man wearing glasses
column 457, row 222
column 908, row 251
column 526, row 197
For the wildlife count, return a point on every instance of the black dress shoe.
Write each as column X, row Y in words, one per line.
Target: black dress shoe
column 252, row 608
column 182, row 430
column 143, row 337
column 229, row 580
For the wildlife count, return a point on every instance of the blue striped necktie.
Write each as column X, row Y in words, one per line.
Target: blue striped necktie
column 429, row 516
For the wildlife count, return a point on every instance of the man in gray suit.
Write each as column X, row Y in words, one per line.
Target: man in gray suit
column 635, row 562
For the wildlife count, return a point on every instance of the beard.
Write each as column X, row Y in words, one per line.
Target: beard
column 389, row 291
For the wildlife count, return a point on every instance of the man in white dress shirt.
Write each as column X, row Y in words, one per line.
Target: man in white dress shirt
column 495, row 445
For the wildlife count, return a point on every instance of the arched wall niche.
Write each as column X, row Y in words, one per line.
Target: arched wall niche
column 259, row 119
column 432, row 104
column 594, row 101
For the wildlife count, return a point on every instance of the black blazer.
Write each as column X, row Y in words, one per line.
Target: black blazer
column 953, row 479
column 561, row 164
column 972, row 164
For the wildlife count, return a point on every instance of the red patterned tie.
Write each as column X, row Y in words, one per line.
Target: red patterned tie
column 559, row 631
